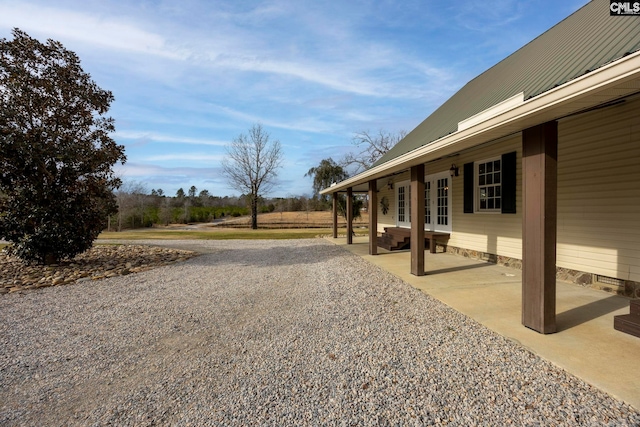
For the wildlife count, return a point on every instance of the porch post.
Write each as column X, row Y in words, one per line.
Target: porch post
column 417, row 220
column 539, row 221
column 335, row 215
column 349, row 215
column 373, row 218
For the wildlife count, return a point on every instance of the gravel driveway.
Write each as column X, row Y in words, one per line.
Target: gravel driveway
column 271, row 333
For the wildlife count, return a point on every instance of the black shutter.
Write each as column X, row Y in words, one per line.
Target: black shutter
column 509, row 183
column 467, row 174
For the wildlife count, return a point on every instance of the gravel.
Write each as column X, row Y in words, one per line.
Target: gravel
column 271, row 333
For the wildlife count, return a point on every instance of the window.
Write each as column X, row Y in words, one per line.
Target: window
column 489, row 186
column 443, row 201
column 401, row 204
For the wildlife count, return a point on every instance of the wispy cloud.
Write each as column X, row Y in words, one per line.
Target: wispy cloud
column 488, row 14
column 106, row 32
column 145, row 137
column 359, row 67
column 190, row 157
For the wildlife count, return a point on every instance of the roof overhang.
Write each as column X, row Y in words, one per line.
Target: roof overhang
column 613, row 81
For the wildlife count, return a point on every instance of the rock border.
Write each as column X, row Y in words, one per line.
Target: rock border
column 99, row 262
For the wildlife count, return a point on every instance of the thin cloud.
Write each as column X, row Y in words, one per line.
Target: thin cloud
column 87, row 28
column 191, row 157
column 149, row 170
column 486, row 15
column 359, row 67
column 147, row 137
column 306, row 125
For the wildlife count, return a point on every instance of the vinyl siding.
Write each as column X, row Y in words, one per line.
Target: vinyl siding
column 598, row 195
column 599, row 192
column 494, row 233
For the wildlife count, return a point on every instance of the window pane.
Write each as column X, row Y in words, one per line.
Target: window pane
column 489, row 179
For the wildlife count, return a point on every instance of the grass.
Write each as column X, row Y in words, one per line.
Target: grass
column 285, row 225
column 219, row 234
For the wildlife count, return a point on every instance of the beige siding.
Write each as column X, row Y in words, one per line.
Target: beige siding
column 599, row 192
column 598, row 195
column 389, row 220
column 494, row 233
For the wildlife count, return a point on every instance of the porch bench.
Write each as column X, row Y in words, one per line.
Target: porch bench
column 395, row 238
column 431, row 236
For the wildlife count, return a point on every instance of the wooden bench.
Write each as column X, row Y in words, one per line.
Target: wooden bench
column 431, row 237
column 629, row 323
column 396, row 238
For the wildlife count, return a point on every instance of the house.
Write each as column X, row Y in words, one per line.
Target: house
column 535, row 162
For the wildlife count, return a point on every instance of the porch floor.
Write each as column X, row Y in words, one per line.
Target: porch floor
column 586, row 345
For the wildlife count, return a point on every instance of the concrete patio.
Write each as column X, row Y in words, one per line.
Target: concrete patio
column 586, row 345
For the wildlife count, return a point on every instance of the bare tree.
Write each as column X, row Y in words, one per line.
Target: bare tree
column 130, row 198
column 251, row 166
column 372, row 147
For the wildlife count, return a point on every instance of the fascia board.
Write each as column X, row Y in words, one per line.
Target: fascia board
column 550, row 105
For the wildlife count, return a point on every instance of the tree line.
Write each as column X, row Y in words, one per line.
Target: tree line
column 138, row 207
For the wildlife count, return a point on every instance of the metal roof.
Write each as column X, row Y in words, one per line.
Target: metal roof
column 586, row 40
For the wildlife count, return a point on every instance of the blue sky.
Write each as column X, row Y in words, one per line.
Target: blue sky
column 189, row 76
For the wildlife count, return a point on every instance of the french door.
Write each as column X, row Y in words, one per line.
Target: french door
column 437, row 203
column 403, row 205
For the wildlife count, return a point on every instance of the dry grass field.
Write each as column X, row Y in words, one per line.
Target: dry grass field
column 286, row 225
column 295, row 220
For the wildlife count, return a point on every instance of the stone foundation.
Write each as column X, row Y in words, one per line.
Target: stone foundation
column 629, row 288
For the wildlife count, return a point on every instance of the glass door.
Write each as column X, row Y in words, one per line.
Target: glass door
column 403, row 197
column 437, row 189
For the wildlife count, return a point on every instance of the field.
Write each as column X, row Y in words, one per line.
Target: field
column 276, row 225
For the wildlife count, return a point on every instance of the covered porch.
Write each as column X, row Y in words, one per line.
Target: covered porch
column 586, row 345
